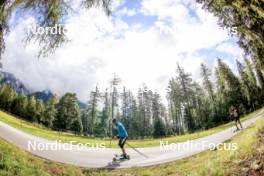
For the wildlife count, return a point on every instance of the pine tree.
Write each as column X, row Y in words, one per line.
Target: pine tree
column 85, row 117
column 93, row 111
column 102, row 128
column 150, row 99
column 260, row 78
column 159, row 128
column 208, row 101
column 40, row 110
column 148, row 109
column 126, row 108
column 7, row 96
column 250, row 73
column 230, row 88
column 254, row 76
column 186, row 84
column 175, row 99
column 207, row 83
column 77, row 126
column 19, row 106
column 106, row 112
column 141, row 121
column 134, row 126
column 249, row 90
column 31, row 108
column 68, row 112
column 220, row 103
column 51, row 111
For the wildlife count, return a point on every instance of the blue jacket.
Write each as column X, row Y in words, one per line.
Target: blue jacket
column 121, row 130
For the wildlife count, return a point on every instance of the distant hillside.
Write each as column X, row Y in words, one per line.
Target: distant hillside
column 82, row 105
column 46, row 94
column 9, row 78
column 43, row 95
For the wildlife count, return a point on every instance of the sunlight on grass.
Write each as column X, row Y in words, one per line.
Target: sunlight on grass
column 17, row 162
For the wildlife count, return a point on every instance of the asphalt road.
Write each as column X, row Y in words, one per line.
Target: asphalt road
column 97, row 157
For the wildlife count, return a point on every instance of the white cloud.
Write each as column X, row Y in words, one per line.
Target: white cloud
column 165, row 9
column 232, row 49
column 116, row 4
column 126, row 12
column 101, row 46
column 189, row 32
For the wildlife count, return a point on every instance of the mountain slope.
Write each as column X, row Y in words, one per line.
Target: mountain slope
column 46, row 94
column 16, row 84
column 10, row 79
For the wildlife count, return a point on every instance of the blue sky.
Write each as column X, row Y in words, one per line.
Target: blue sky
column 146, row 21
column 141, row 42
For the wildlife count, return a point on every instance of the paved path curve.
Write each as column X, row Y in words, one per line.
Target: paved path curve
column 86, row 157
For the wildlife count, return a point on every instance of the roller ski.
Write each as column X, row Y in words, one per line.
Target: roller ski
column 121, row 158
column 236, row 130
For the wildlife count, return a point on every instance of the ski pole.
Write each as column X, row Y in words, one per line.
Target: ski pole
column 137, row 150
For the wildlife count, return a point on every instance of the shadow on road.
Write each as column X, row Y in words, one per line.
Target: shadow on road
column 113, row 164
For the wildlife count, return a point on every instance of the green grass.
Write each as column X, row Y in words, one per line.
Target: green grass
column 210, row 163
column 41, row 131
column 19, row 163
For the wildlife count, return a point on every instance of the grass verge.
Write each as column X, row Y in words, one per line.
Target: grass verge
column 15, row 162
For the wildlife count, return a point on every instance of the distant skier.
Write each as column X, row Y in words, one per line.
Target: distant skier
column 234, row 112
column 122, row 136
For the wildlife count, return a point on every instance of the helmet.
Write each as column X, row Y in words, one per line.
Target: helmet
column 114, row 120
